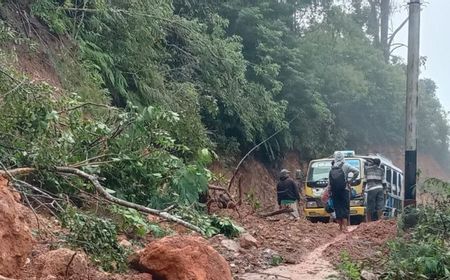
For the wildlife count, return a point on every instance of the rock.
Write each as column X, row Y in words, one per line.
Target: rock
column 125, row 243
column 15, row 236
column 247, row 241
column 366, row 275
column 183, row 258
column 54, row 263
column 269, row 255
column 231, row 245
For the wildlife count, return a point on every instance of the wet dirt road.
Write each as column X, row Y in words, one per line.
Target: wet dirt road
column 314, row 266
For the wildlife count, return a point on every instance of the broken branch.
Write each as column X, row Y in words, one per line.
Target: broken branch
column 277, row 212
column 94, row 181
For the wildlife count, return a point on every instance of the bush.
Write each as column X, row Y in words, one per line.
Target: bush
column 349, row 269
column 130, row 221
column 423, row 251
column 98, row 238
column 210, row 225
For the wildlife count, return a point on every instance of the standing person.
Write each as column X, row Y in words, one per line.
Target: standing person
column 375, row 184
column 340, row 193
column 287, row 193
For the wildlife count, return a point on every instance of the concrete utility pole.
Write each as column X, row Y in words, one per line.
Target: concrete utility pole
column 412, row 99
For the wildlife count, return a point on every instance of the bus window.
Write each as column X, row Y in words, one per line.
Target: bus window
column 400, row 184
column 388, row 175
column 394, row 182
column 389, row 179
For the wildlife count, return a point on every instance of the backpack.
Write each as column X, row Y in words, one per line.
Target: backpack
column 337, row 179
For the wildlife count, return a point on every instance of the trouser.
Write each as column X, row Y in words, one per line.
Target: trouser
column 294, row 207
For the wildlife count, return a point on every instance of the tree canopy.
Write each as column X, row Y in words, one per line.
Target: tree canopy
column 190, row 75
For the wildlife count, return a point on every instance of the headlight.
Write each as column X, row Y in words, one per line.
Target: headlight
column 356, row 203
column 311, row 204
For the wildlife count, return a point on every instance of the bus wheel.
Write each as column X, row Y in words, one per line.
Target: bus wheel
column 313, row 219
column 356, row 220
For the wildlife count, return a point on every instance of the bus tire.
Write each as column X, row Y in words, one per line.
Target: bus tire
column 356, row 220
column 313, row 219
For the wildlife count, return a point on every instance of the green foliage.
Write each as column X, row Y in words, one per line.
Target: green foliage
column 97, row 237
column 49, row 11
column 131, row 221
column 210, row 225
column 423, row 252
column 42, row 130
column 238, row 70
column 254, row 202
column 349, row 268
column 276, row 260
column 225, row 226
column 413, row 259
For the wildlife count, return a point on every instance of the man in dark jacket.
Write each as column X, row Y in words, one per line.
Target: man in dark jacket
column 287, row 193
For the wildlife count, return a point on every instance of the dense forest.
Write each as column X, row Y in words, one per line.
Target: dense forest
column 238, row 71
column 187, row 80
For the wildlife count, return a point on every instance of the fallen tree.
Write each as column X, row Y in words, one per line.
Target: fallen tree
column 10, row 174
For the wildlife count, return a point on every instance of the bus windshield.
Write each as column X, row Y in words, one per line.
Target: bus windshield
column 319, row 170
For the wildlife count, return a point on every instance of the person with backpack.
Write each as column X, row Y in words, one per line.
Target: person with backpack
column 287, row 193
column 375, row 185
column 340, row 192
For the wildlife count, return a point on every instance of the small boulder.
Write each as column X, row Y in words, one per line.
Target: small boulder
column 125, row 243
column 247, row 241
column 367, row 275
column 56, row 263
column 230, row 245
column 183, row 258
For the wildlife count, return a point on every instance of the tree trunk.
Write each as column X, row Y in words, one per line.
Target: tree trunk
column 373, row 24
column 384, row 25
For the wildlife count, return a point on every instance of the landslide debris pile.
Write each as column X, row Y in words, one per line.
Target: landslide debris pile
column 365, row 242
column 279, row 240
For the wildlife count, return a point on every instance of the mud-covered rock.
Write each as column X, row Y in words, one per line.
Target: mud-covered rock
column 183, row 258
column 231, row 245
column 247, row 241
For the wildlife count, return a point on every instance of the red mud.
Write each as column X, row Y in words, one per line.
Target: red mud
column 365, row 242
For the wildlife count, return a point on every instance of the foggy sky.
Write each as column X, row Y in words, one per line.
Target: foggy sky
column 434, row 43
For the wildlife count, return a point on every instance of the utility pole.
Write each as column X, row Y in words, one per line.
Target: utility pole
column 412, row 99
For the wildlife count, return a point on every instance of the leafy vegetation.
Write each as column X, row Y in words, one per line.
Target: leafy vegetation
column 423, row 250
column 239, row 70
column 210, row 224
column 349, row 268
column 132, row 222
column 98, row 237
